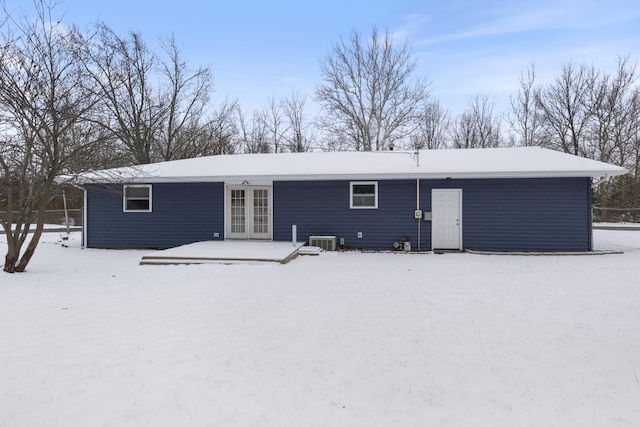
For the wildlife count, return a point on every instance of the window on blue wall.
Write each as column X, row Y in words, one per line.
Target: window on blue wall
column 137, row 198
column 364, row 195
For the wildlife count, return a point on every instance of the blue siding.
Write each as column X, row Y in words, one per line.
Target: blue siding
column 322, row 208
column 182, row 213
column 542, row 214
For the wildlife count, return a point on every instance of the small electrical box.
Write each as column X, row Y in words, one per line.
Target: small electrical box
column 426, row 216
column 417, row 214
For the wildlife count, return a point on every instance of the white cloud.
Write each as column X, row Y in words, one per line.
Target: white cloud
column 565, row 15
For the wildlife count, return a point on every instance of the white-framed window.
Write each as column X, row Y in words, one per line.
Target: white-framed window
column 364, row 195
column 137, row 198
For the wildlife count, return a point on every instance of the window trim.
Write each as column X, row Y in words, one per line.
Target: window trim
column 124, row 198
column 375, row 193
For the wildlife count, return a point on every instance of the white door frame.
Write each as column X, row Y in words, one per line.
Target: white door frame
column 446, row 218
column 250, row 216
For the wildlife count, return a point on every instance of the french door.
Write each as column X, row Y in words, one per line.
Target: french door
column 249, row 212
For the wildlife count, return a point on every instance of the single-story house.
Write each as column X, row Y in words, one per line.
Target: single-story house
column 493, row 199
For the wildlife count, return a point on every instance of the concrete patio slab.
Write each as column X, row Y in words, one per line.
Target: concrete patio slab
column 228, row 251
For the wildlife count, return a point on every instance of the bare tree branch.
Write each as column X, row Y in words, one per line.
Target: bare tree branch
column 44, row 104
column 368, row 94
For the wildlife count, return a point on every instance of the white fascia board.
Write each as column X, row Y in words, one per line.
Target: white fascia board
column 258, row 179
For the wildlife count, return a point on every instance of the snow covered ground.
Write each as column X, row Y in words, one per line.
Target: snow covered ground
column 91, row 338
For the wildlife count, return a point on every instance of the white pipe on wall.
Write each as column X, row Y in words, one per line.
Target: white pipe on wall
column 418, row 208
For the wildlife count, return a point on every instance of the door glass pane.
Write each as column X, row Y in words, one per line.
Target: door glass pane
column 237, row 211
column 261, row 211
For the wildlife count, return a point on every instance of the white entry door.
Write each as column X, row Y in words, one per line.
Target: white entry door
column 446, row 220
column 249, row 212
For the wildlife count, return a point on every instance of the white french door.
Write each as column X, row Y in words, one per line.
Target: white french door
column 446, row 220
column 249, row 212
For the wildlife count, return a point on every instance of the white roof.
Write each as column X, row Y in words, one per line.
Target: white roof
column 515, row 162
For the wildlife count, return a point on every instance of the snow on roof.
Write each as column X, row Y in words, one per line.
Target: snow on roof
column 515, row 162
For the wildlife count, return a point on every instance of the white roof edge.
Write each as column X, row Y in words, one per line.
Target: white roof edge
column 515, row 162
column 365, row 177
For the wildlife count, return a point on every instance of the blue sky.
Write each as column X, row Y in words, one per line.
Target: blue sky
column 262, row 49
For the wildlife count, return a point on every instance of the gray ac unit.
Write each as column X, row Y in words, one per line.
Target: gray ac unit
column 328, row 243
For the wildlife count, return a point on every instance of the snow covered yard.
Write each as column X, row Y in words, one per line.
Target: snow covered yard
column 91, row 338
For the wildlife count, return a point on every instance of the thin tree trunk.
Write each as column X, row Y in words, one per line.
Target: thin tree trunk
column 33, row 243
column 10, row 260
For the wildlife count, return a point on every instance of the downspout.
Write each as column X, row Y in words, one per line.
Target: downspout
column 84, row 218
column 417, row 209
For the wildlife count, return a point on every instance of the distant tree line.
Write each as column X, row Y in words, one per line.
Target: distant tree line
column 589, row 113
column 73, row 100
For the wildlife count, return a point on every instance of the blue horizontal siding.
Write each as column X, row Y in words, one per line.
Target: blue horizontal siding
column 548, row 214
column 181, row 213
column 322, row 208
column 542, row 214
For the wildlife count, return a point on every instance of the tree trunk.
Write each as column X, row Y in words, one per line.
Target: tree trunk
column 28, row 253
column 13, row 249
column 33, row 243
column 10, row 262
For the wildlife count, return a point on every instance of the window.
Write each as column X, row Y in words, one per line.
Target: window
column 137, row 198
column 364, row 195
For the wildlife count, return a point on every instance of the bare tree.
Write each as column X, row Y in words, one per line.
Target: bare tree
column 218, row 134
column 45, row 106
column 272, row 120
column 252, row 134
column 333, row 141
column 463, row 132
column 122, row 68
column 566, row 109
column 612, row 134
column 597, row 115
column 222, row 129
column 154, row 105
column 185, row 95
column 433, row 128
column 297, row 137
column 478, row 126
column 525, row 118
column 368, row 93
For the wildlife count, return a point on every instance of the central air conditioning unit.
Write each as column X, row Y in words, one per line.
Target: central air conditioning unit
column 328, row 243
